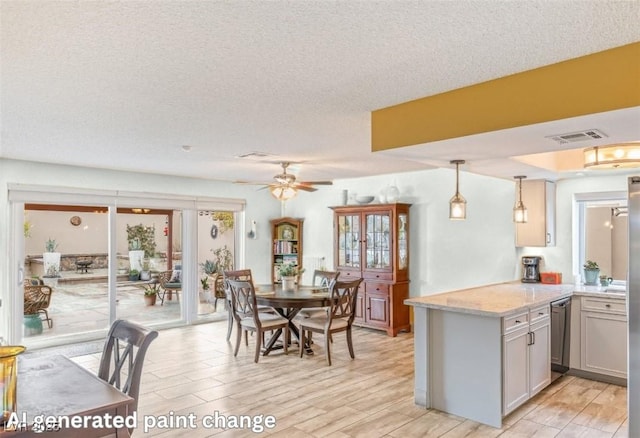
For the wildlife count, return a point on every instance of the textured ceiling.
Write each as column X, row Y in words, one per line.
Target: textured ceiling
column 123, row 85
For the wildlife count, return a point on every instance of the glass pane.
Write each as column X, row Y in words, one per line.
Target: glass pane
column 402, row 241
column 216, row 232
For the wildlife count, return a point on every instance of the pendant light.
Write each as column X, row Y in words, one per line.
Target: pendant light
column 457, row 204
column 519, row 210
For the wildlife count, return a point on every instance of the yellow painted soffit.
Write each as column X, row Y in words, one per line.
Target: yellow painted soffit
column 602, row 81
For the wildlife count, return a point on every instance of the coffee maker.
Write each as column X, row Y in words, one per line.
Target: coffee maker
column 531, row 269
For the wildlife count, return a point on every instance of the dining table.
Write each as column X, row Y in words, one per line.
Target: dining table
column 53, row 388
column 289, row 303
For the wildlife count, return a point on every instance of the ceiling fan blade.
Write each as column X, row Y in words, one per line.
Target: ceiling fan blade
column 316, row 183
column 305, row 188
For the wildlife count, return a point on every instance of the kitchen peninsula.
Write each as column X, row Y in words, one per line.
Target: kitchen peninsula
column 482, row 352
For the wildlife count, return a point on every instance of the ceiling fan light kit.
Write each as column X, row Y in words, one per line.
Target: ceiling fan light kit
column 613, row 156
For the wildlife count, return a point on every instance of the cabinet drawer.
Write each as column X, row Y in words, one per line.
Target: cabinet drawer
column 377, row 288
column 349, row 275
column 617, row 307
column 384, row 276
column 515, row 322
column 539, row 313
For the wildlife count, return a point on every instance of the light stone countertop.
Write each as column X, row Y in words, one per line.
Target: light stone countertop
column 498, row 300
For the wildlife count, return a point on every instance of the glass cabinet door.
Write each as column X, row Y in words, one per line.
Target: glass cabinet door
column 378, row 244
column 403, row 254
column 349, row 241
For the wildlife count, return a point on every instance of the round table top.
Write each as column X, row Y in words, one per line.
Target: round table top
column 303, row 296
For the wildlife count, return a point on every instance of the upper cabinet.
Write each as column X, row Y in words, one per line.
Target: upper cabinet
column 372, row 242
column 539, row 196
column 286, row 236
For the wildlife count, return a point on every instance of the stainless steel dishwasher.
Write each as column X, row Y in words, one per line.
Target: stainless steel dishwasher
column 560, row 336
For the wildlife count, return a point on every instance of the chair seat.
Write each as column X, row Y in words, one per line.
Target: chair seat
column 172, row 285
column 266, row 320
column 319, row 322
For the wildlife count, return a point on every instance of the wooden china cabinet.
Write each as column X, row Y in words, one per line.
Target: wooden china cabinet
column 286, row 237
column 372, row 242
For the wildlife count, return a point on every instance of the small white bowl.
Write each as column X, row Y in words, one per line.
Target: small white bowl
column 364, row 199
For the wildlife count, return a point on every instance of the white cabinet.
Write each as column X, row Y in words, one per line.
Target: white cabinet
column 526, row 356
column 603, row 336
column 539, row 196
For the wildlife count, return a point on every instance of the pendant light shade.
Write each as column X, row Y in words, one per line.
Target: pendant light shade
column 457, row 204
column 519, row 210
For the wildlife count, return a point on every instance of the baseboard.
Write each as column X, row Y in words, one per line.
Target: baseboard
column 599, row 377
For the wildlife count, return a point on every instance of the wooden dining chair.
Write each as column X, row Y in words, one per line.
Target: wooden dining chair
column 339, row 318
column 249, row 319
column 240, row 275
column 123, row 357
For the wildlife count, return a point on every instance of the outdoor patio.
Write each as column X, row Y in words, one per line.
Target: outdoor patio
column 79, row 303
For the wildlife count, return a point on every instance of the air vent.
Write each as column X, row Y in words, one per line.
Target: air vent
column 574, row 137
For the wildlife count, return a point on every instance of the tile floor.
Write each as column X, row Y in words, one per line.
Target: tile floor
column 192, row 370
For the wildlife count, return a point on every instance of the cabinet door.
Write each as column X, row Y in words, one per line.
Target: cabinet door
column 348, row 245
column 539, row 230
column 515, row 347
column 539, row 357
column 377, row 304
column 603, row 343
column 378, row 244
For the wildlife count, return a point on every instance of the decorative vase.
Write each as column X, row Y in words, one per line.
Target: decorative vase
column 32, row 325
column 288, row 283
column 136, row 256
column 591, row 277
column 392, row 194
column 51, row 264
column 9, row 380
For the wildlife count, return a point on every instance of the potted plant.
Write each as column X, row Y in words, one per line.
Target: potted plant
column 145, row 273
column 591, row 273
column 142, row 244
column 51, row 276
column 206, row 288
column 150, row 293
column 134, row 275
column 289, row 275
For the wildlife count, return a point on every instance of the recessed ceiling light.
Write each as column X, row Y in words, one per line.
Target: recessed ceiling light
column 186, row 148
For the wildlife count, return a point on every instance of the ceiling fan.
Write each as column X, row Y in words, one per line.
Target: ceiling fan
column 286, row 187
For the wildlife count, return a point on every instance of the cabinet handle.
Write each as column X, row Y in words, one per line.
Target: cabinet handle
column 540, row 313
column 529, row 342
column 607, row 305
column 518, row 321
column 533, row 338
column 548, row 237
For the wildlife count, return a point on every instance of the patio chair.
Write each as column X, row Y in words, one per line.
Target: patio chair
column 250, row 319
column 123, row 356
column 168, row 284
column 37, row 298
column 339, row 318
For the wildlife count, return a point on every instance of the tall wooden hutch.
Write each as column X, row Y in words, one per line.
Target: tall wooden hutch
column 286, row 238
column 372, row 242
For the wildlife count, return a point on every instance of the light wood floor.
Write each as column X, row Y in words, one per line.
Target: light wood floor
column 192, row 370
